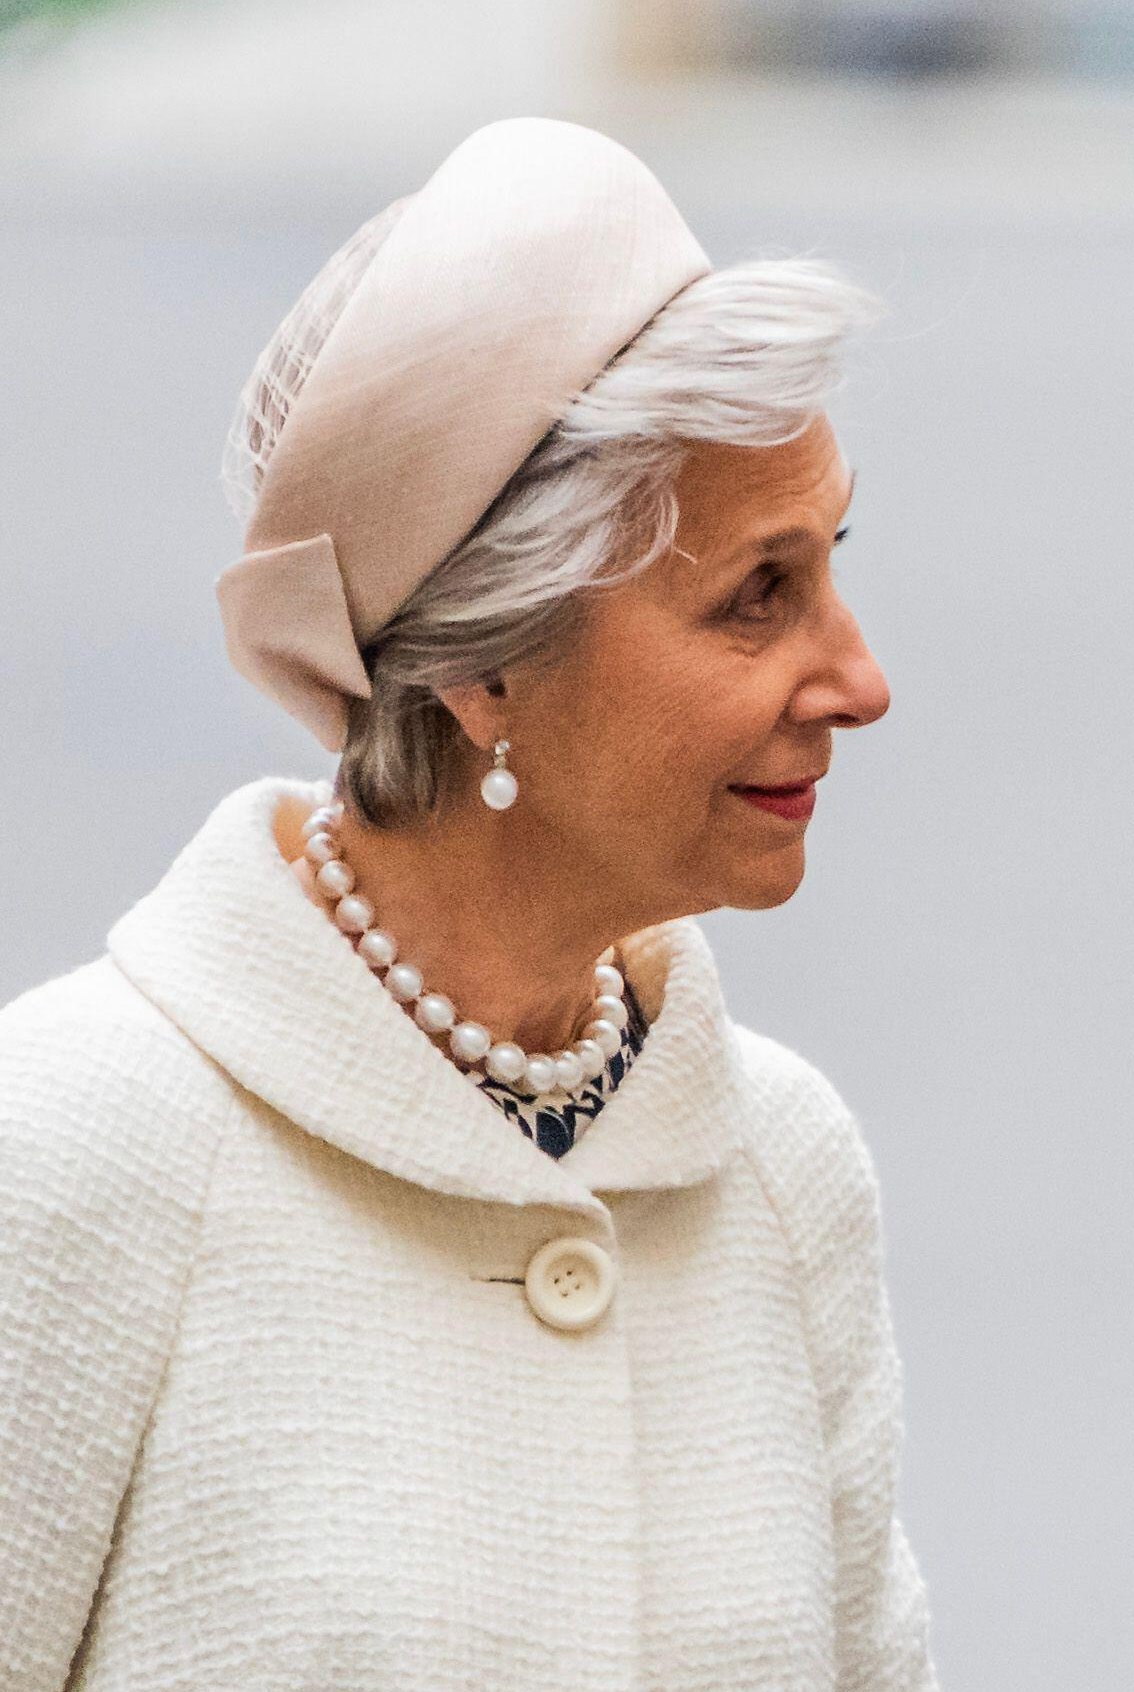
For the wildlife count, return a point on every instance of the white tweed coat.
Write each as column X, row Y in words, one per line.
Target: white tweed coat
column 277, row 1410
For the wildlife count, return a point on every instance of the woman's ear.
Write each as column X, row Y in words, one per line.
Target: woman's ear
column 473, row 705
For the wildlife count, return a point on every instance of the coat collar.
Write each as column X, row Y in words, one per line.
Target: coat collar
column 231, row 949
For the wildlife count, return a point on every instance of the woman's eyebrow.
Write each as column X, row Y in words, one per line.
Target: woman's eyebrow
column 797, row 535
column 779, row 538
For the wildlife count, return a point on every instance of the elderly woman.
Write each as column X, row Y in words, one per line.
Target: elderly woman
column 411, row 1275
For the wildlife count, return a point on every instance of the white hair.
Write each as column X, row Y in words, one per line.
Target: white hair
column 746, row 355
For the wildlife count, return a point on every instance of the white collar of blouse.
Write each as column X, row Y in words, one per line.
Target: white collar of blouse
column 232, row 950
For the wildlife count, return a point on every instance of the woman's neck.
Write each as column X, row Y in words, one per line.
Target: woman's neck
column 513, row 949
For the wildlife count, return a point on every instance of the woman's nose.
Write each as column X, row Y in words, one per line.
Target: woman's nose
column 847, row 685
column 871, row 689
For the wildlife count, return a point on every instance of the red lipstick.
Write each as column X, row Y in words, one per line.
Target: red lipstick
column 795, row 803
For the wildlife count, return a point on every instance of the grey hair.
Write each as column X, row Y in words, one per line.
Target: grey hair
column 745, row 356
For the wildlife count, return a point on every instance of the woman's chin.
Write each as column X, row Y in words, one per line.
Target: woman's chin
column 769, row 880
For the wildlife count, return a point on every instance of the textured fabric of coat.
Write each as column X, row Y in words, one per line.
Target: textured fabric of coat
column 276, row 1414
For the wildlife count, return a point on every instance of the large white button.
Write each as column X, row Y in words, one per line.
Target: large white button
column 570, row 1282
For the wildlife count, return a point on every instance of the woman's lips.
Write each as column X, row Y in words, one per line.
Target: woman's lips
column 791, row 802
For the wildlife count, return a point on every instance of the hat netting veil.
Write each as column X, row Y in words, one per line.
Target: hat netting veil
column 285, row 363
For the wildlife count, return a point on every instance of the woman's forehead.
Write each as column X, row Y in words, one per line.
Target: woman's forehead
column 721, row 485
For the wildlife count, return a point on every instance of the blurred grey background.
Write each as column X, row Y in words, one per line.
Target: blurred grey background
column 958, row 958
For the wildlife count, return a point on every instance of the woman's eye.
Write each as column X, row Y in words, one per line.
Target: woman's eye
column 770, row 585
column 755, row 606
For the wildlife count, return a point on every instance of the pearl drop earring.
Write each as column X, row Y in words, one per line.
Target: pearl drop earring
column 499, row 787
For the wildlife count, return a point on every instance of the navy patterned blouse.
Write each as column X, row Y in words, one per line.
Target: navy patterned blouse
column 554, row 1120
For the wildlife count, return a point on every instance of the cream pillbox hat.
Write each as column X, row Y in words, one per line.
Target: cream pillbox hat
column 534, row 253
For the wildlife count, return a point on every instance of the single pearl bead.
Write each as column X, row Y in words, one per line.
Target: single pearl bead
column 569, row 1069
column 335, row 878
column 354, row 913
column 505, row 1061
column 591, row 1056
column 540, row 1073
column 499, row 789
column 470, row 1041
column 320, row 848
column 612, row 1009
column 606, row 1034
column 377, row 948
column 404, row 981
column 317, row 821
column 435, row 1013
column 609, row 980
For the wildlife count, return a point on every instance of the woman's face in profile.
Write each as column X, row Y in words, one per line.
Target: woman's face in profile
column 728, row 662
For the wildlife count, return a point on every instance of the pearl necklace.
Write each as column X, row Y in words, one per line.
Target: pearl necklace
column 469, row 1042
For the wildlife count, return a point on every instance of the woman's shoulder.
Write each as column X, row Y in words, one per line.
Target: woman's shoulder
column 92, row 1029
column 813, row 1157
column 798, row 1108
column 94, row 994
column 105, row 1105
